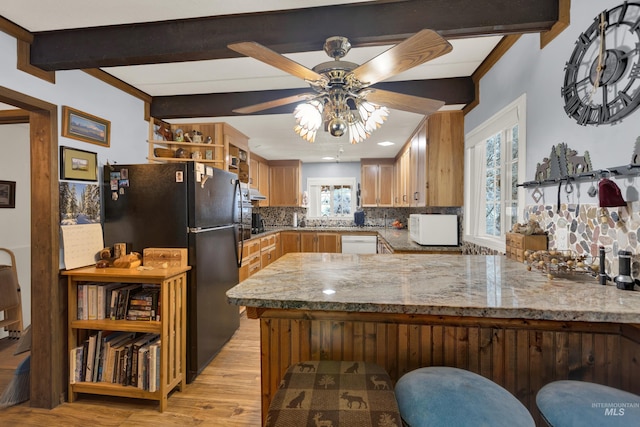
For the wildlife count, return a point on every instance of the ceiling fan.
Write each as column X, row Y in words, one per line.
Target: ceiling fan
column 343, row 98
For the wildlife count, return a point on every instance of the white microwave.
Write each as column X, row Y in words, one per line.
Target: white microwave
column 434, row 229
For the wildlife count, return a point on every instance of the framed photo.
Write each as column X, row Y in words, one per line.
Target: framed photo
column 78, row 165
column 85, row 127
column 7, row 194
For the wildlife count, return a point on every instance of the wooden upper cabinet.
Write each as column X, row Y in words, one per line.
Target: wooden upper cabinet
column 263, row 182
column 402, row 185
column 377, row 177
column 445, row 159
column 430, row 166
column 254, row 177
column 418, row 160
column 284, row 183
column 259, row 178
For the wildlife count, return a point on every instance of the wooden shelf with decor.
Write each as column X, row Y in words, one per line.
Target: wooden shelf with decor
column 518, row 243
column 217, row 144
column 171, row 328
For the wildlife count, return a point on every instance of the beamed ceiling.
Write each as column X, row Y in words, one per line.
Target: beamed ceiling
column 116, row 49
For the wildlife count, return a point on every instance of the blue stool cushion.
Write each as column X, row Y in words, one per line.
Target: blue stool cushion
column 451, row 397
column 579, row 403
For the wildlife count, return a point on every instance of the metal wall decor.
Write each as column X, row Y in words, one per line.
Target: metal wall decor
column 561, row 162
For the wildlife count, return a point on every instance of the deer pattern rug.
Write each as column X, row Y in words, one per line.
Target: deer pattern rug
column 334, row 393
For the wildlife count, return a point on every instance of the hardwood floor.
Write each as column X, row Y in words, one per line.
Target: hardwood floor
column 226, row 393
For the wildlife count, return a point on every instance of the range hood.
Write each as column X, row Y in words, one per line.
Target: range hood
column 255, row 195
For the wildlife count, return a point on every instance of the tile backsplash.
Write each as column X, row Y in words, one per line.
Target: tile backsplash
column 589, row 227
column 374, row 217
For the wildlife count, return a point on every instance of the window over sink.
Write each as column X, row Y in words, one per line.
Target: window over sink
column 331, row 198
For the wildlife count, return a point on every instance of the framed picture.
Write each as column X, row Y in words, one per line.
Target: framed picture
column 85, row 127
column 78, row 165
column 7, row 194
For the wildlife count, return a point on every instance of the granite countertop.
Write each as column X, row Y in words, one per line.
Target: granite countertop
column 398, row 239
column 451, row 285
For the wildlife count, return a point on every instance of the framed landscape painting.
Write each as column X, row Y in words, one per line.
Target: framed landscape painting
column 7, row 194
column 78, row 165
column 85, row 127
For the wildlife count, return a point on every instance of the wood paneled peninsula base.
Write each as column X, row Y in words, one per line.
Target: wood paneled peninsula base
column 487, row 314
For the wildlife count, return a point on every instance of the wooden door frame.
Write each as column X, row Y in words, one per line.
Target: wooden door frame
column 48, row 297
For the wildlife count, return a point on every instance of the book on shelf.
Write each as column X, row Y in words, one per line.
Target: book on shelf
column 146, row 339
column 91, row 352
column 75, row 361
column 96, row 359
column 104, row 299
column 154, row 366
column 80, row 313
column 143, row 304
column 122, row 302
column 92, row 299
column 110, row 355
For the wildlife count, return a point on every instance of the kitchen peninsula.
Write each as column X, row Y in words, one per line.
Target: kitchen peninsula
column 487, row 314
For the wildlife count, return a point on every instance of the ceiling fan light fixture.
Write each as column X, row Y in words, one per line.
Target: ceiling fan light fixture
column 337, row 126
column 308, row 117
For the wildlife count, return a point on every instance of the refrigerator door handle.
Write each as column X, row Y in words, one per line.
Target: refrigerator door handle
column 239, row 203
column 237, row 193
column 239, row 255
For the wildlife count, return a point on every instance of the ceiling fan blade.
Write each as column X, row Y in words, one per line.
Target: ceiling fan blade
column 273, row 58
column 417, row 49
column 275, row 103
column 399, row 101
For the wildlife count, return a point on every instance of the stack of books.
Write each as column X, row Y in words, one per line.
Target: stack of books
column 125, row 358
column 117, row 301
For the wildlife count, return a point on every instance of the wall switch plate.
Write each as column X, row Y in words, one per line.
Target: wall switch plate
column 562, row 239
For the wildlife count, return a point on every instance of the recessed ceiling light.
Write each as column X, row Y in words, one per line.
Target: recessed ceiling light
column 328, row 292
column 328, row 158
column 386, row 143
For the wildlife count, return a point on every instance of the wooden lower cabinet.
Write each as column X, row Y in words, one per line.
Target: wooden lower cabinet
column 311, row 241
column 250, row 259
column 521, row 356
column 289, row 242
column 267, row 250
column 383, row 247
column 258, row 253
column 330, row 242
column 308, row 242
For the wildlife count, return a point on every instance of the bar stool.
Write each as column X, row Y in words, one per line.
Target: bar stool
column 440, row 396
column 334, row 393
column 569, row 403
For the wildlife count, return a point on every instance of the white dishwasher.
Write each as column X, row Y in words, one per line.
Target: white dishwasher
column 359, row 244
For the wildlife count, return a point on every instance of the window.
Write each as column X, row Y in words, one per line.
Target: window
column 331, row 197
column 494, row 164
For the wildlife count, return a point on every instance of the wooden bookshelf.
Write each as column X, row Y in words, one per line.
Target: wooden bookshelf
column 171, row 327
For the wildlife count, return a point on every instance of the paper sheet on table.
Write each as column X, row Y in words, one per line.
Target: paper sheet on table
column 81, row 244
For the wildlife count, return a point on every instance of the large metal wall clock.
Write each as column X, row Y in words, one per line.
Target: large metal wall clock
column 602, row 77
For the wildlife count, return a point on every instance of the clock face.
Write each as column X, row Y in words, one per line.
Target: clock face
column 602, row 77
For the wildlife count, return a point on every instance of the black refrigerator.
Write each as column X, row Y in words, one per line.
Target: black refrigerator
column 188, row 205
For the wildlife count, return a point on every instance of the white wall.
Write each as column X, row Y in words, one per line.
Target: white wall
column 15, row 224
column 330, row 170
column 129, row 132
column 540, row 74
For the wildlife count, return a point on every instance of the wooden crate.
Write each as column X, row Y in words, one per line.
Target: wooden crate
column 518, row 243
